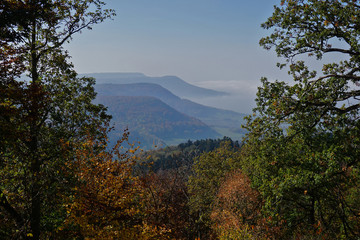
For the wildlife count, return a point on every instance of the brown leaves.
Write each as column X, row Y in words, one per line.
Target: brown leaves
column 105, row 204
column 237, row 203
column 237, row 210
column 166, row 204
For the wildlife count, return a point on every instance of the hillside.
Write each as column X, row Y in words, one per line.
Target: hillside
column 151, row 121
column 183, row 155
column 174, row 84
column 225, row 121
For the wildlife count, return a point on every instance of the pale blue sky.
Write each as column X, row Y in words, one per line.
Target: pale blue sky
column 210, row 43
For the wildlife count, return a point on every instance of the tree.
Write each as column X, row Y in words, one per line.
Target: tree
column 166, row 206
column 208, row 172
column 108, row 202
column 51, row 106
column 303, row 142
column 237, row 210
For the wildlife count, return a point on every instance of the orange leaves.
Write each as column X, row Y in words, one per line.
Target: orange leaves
column 237, row 200
column 237, row 211
column 105, row 204
column 237, row 205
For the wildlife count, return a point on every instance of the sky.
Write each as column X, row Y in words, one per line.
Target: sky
column 208, row 43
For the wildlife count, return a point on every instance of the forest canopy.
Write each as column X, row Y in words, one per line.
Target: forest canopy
column 303, row 142
column 46, row 118
column 294, row 176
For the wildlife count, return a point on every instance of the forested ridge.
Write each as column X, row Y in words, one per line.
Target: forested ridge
column 140, row 114
column 152, row 122
column 295, row 175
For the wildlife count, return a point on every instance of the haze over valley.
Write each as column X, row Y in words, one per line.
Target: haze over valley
column 154, row 115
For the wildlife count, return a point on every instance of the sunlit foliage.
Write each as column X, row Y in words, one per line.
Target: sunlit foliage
column 303, row 141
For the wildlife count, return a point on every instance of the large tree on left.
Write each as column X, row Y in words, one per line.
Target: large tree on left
column 45, row 111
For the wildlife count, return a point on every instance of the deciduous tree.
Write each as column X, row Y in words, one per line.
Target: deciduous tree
column 51, row 105
column 108, row 200
column 166, row 205
column 208, row 172
column 303, row 141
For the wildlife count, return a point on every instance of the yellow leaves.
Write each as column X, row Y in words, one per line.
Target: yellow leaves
column 326, row 22
column 29, row 235
column 106, row 190
column 6, row 103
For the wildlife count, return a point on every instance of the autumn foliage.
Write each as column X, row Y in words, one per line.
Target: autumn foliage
column 296, row 174
column 166, row 206
column 108, row 199
column 237, row 211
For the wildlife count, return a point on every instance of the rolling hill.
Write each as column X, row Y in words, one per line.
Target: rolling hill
column 224, row 121
column 174, row 84
column 152, row 122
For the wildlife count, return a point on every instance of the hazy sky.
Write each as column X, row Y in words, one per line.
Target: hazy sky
column 209, row 43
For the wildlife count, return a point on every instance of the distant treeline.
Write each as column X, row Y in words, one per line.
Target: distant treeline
column 183, row 154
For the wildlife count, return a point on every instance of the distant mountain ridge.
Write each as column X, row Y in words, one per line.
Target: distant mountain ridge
column 213, row 117
column 151, row 121
column 155, row 115
column 174, row 84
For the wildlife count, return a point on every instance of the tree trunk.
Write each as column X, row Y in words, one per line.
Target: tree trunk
column 35, row 194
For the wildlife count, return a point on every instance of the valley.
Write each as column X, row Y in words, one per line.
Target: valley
column 157, row 116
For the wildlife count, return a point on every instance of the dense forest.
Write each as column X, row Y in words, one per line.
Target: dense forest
column 295, row 175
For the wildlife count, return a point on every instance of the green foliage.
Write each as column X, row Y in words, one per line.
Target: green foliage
column 165, row 181
column 303, row 143
column 41, row 113
column 183, row 155
column 208, row 172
